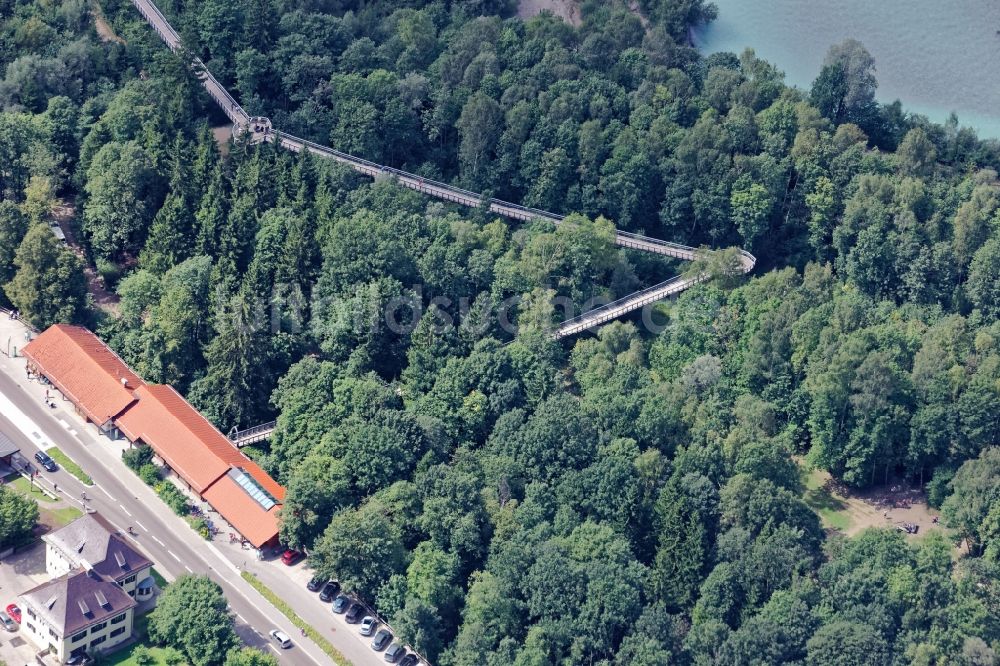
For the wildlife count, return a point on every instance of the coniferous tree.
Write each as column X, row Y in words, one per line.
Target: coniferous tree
column 238, row 377
column 171, row 234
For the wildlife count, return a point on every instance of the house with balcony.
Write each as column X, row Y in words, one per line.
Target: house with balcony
column 90, row 542
column 90, row 603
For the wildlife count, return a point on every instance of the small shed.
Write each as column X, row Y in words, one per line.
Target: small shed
column 7, row 450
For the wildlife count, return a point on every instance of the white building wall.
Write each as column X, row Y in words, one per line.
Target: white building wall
column 95, row 637
column 56, row 564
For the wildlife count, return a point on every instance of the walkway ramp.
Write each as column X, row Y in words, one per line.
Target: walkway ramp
column 252, row 435
column 259, row 129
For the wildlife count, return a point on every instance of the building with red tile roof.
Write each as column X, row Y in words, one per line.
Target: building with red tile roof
column 85, row 370
column 246, row 506
column 177, row 432
column 156, row 415
column 205, row 460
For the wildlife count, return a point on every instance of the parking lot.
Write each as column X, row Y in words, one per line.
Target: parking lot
column 274, row 573
column 18, row 573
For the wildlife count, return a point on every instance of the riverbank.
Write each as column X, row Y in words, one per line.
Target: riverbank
column 930, row 55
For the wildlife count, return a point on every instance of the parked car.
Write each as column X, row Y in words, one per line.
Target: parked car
column 290, row 557
column 355, row 613
column 368, row 625
column 394, row 653
column 7, row 623
column 45, row 461
column 281, row 638
column 329, row 591
column 410, row 660
column 341, row 603
column 79, row 660
column 14, row 612
column 381, row 640
column 315, row 583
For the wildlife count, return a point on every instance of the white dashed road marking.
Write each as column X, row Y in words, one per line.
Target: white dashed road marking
column 108, row 494
column 125, row 510
column 142, row 526
column 158, row 541
column 174, row 556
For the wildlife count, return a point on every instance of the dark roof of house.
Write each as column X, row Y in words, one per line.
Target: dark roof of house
column 91, row 541
column 77, row 600
column 7, row 446
column 85, row 370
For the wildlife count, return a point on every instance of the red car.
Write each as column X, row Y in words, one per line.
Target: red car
column 14, row 612
column 290, row 557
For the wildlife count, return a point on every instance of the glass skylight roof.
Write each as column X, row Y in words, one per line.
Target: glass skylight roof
column 248, row 484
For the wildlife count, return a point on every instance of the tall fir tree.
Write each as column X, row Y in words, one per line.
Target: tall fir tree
column 170, row 236
column 212, row 213
column 238, row 380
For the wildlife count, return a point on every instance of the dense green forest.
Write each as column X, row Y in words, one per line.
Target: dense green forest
column 627, row 497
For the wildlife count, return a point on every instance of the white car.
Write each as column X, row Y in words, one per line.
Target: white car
column 368, row 626
column 281, row 638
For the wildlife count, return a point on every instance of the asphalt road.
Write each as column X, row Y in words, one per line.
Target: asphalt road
column 124, row 500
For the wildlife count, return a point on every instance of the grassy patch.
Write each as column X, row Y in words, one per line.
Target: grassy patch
column 173, row 497
column 161, row 582
column 126, row 657
column 26, row 488
column 832, row 509
column 69, row 465
column 200, row 525
column 287, row 611
column 59, row 517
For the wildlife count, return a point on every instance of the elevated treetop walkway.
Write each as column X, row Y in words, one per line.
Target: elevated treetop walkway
column 259, row 129
column 257, row 433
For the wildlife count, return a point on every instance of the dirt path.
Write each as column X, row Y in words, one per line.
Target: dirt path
column 104, row 29
column 567, row 10
column 105, row 299
column 633, row 6
column 222, row 135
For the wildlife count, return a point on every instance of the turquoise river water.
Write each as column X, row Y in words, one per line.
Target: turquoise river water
column 936, row 56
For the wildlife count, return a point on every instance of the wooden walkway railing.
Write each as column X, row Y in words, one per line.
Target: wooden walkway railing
column 257, row 433
column 260, row 129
